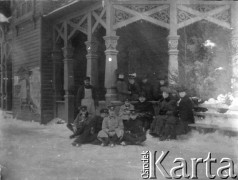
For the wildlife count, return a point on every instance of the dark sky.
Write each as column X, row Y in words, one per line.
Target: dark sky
column 5, row 7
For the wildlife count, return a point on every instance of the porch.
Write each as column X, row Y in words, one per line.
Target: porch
column 112, row 17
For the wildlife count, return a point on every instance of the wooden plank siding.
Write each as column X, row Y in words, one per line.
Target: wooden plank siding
column 32, row 48
column 26, row 53
column 47, row 92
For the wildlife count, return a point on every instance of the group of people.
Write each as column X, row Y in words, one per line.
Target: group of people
column 165, row 119
column 132, row 88
column 106, row 129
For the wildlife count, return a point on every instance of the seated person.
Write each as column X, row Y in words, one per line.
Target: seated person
column 133, row 87
column 147, row 88
column 158, row 89
column 124, row 112
column 145, row 111
column 133, row 131
column 112, row 128
column 91, row 129
column 122, row 88
column 164, row 124
column 79, row 124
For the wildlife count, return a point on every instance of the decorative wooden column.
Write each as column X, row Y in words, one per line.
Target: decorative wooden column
column 111, row 54
column 92, row 61
column 234, row 42
column 173, row 45
column 68, row 82
column 111, row 66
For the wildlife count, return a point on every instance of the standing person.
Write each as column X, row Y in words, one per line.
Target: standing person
column 125, row 111
column 164, row 124
column 145, row 111
column 133, row 131
column 147, row 88
column 122, row 88
column 185, row 110
column 91, row 129
column 133, row 87
column 112, row 128
column 158, row 89
column 86, row 96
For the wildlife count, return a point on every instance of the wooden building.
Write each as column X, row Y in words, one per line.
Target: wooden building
column 50, row 46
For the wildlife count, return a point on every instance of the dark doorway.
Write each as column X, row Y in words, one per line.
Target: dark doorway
column 143, row 49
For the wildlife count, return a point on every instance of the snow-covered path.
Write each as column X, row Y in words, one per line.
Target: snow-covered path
column 30, row 151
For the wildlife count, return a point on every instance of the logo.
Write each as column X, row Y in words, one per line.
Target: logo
column 152, row 165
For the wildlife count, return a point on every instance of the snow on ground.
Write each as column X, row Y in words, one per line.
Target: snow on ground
column 30, row 151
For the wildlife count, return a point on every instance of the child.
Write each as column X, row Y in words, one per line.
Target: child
column 124, row 112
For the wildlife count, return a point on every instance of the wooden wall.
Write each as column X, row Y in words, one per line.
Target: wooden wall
column 47, row 93
column 26, row 51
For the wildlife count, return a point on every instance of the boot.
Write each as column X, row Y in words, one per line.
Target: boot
column 104, row 141
column 113, row 140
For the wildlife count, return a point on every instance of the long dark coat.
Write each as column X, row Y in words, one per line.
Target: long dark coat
column 166, row 118
column 185, row 109
column 89, row 131
column 135, row 90
column 146, row 113
column 81, row 94
column 133, row 132
column 122, row 90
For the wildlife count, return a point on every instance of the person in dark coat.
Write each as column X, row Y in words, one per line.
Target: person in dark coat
column 91, row 129
column 112, row 128
column 133, row 130
column 81, row 121
column 145, row 111
column 122, row 88
column 147, row 88
column 185, row 110
column 86, row 96
column 164, row 124
column 133, row 88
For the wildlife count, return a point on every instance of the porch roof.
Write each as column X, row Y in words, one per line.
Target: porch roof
column 73, row 6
